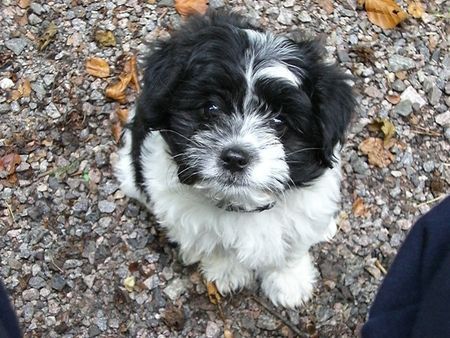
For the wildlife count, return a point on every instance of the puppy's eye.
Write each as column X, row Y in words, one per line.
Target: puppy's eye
column 211, row 108
column 278, row 123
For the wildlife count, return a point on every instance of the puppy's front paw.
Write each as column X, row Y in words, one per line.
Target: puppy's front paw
column 290, row 286
column 228, row 274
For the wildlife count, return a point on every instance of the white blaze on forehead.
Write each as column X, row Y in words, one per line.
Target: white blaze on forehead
column 266, row 59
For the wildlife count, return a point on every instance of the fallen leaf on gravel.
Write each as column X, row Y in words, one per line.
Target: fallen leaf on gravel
column 97, row 67
column 327, row 5
column 129, row 283
column 116, row 91
column 358, row 208
column 377, row 154
column 116, row 131
column 122, row 114
column 385, row 126
column 9, row 162
column 131, row 67
column 384, row 13
column 24, row 3
column 190, row 7
column 47, row 37
column 416, row 9
column 213, row 293
column 105, row 38
column 394, row 99
column 174, row 317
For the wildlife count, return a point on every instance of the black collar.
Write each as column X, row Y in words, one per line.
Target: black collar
column 235, row 208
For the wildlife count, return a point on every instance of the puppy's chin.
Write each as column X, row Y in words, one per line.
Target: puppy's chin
column 238, row 198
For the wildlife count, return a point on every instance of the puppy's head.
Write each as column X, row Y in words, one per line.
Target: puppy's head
column 246, row 114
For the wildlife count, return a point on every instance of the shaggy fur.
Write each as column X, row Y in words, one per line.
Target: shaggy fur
column 234, row 146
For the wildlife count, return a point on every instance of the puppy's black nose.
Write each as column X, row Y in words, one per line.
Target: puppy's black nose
column 235, row 159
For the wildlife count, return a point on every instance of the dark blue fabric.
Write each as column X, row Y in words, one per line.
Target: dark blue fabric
column 414, row 298
column 9, row 327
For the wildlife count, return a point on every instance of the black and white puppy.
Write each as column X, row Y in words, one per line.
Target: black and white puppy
column 234, row 146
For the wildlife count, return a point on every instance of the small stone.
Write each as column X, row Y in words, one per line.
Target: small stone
column 58, row 282
column 434, row 95
column 175, row 289
column 89, row 280
column 396, row 173
column 152, row 282
column 413, row 96
column 428, row 166
column 30, row 294
column 6, row 83
column 81, row 206
column 94, row 331
column 106, row 206
column 289, row 3
column 212, row 330
column 37, row 282
column 266, row 322
column 167, row 273
column 285, row 17
column 33, row 19
column 398, row 86
column 343, row 55
column 447, row 134
column 398, row 63
column 404, row 108
column 373, row 91
column 52, row 111
column 16, row 45
column 217, row 3
column 443, row 119
column 304, row 17
column 37, row 8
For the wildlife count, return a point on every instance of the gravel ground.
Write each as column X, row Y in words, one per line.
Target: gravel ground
column 71, row 245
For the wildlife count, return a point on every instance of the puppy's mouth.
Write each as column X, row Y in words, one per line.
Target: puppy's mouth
column 237, row 198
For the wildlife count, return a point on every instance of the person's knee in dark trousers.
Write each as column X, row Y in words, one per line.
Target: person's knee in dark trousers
column 9, row 327
column 414, row 298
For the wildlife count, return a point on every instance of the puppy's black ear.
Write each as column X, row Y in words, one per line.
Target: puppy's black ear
column 331, row 97
column 161, row 77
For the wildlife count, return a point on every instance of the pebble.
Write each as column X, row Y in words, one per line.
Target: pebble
column 58, row 282
column 152, row 282
column 267, row 322
column 30, row 294
column 217, row 3
column 212, row 330
column 37, row 8
column 34, row 20
column 17, row 45
column 106, row 206
column 399, row 62
column 428, row 166
column 6, row 83
column 304, row 17
column 434, row 95
column 398, row 86
column 404, row 108
column 175, row 289
column 443, row 119
column 285, row 16
column 413, row 96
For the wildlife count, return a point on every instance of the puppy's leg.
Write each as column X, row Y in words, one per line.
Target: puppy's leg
column 291, row 285
column 226, row 271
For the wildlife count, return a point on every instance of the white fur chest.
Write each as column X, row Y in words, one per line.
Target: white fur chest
column 258, row 239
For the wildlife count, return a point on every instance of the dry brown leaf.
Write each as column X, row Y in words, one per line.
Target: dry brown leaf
column 327, row 6
column 228, row 334
column 122, row 114
column 213, row 293
column 385, row 13
column 105, row 38
column 26, row 87
column 97, row 67
column 377, row 154
column 174, row 317
column 394, row 99
column 131, row 68
column 385, row 126
column 116, row 131
column 9, row 162
column 116, row 91
column 47, row 37
column 190, row 7
column 416, row 9
column 24, row 3
column 358, row 208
